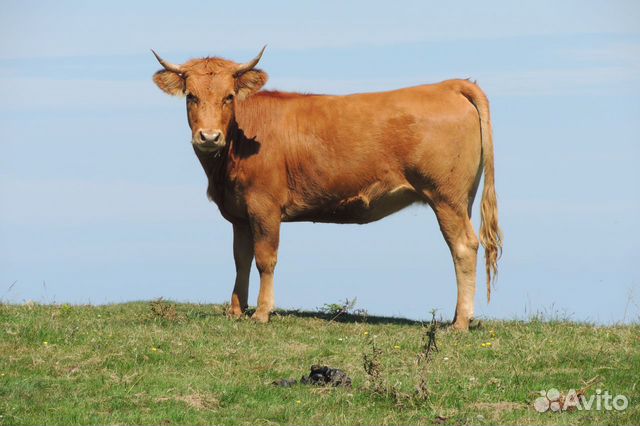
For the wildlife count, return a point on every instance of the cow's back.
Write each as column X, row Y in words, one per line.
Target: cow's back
column 338, row 158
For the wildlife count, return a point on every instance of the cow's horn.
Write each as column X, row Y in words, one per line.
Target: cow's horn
column 168, row 65
column 249, row 65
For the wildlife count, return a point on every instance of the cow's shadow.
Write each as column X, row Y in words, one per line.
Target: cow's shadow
column 245, row 146
column 350, row 318
column 345, row 317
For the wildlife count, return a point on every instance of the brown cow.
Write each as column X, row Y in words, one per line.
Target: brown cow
column 273, row 157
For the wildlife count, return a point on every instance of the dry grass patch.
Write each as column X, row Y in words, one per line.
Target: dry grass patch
column 196, row 400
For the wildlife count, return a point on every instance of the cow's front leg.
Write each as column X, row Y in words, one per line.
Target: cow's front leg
column 266, row 235
column 243, row 256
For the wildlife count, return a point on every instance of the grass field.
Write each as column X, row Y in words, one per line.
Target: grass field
column 164, row 363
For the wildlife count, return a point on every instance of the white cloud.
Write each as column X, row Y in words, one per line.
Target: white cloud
column 64, row 202
column 34, row 93
column 618, row 51
column 111, row 28
column 558, row 82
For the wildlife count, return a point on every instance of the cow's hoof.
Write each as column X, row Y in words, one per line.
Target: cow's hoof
column 260, row 316
column 235, row 313
column 460, row 325
column 475, row 324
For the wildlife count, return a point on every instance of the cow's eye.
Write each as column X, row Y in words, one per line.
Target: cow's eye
column 228, row 99
column 192, row 99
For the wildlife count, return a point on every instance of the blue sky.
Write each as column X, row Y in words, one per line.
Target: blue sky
column 103, row 200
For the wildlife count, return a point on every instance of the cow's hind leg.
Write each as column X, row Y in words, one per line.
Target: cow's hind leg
column 243, row 256
column 457, row 229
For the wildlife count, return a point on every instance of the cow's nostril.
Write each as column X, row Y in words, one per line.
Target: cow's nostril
column 212, row 137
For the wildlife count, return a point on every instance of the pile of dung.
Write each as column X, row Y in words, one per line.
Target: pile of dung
column 320, row 375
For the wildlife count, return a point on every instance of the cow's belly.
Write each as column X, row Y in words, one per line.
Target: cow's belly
column 360, row 208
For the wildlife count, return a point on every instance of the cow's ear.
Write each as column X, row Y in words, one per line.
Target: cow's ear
column 250, row 82
column 170, row 82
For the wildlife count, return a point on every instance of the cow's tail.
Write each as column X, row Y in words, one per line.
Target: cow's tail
column 490, row 233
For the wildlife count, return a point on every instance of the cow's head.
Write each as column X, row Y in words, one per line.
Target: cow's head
column 211, row 86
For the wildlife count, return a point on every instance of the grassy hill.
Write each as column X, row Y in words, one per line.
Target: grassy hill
column 164, row 363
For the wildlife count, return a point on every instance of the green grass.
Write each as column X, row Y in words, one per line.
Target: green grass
column 145, row 363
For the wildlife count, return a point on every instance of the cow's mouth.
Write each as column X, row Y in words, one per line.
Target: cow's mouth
column 209, row 148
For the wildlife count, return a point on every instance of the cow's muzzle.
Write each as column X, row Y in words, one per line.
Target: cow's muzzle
column 209, row 141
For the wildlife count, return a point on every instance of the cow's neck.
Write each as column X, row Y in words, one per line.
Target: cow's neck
column 218, row 168
column 214, row 165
